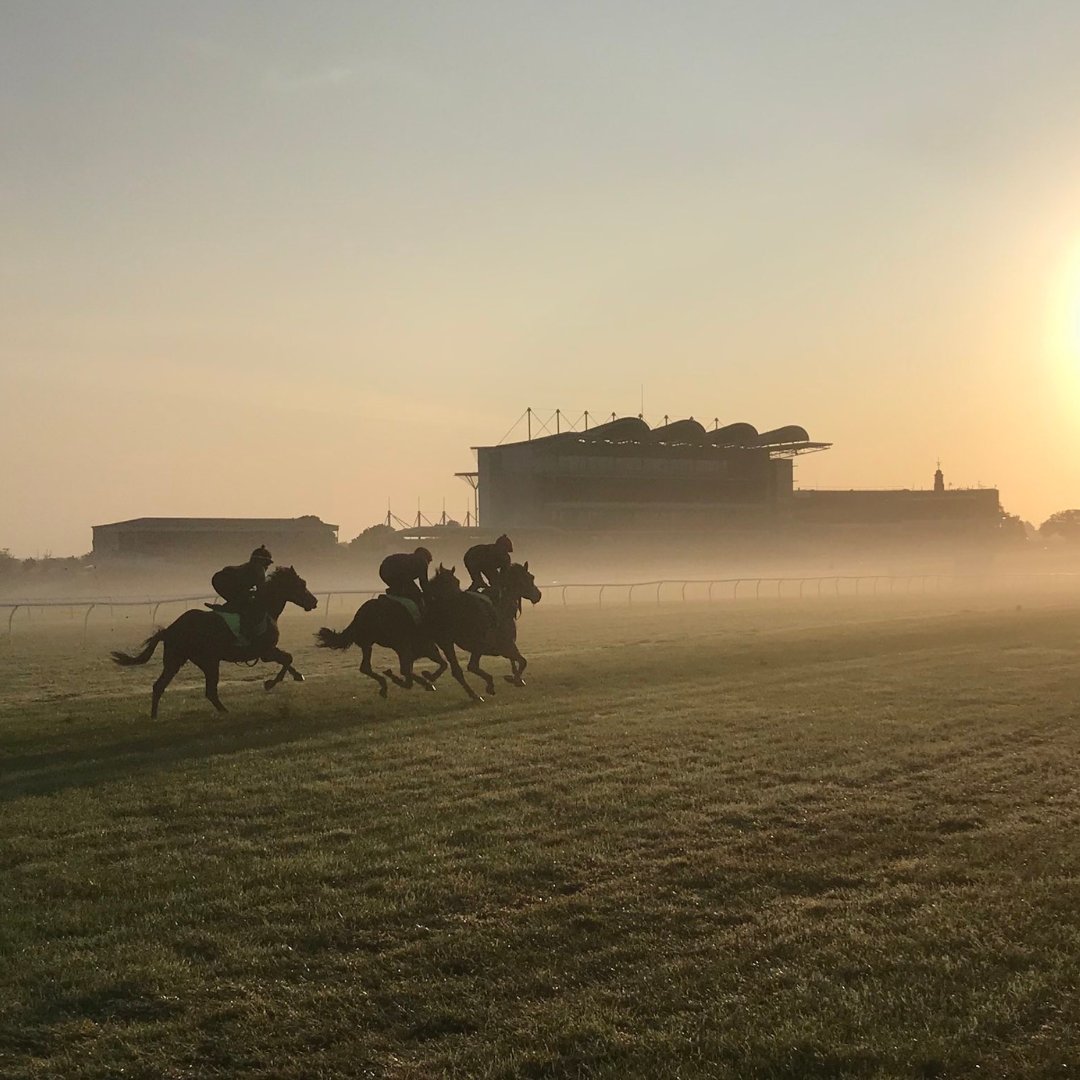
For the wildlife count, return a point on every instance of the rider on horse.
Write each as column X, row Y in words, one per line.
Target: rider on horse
column 486, row 562
column 238, row 585
column 405, row 575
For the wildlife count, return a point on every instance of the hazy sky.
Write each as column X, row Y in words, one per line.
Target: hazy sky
column 276, row 258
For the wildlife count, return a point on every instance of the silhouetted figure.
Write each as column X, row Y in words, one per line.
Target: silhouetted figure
column 204, row 638
column 485, row 562
column 482, row 624
column 238, row 587
column 406, row 574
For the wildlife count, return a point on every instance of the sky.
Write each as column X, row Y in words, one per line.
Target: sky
column 272, row 259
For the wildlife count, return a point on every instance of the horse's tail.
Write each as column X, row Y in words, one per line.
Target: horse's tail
column 331, row 639
column 150, row 644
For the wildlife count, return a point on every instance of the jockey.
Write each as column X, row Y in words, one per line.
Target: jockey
column 405, row 574
column 485, row 562
column 237, row 586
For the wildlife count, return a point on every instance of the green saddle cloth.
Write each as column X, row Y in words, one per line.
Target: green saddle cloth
column 232, row 620
column 410, row 606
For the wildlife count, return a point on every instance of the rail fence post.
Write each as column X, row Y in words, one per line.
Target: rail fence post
column 600, row 597
column 11, row 616
column 86, row 619
column 564, row 596
column 659, row 586
column 709, row 594
column 683, row 594
column 735, row 591
column 757, row 590
column 779, row 586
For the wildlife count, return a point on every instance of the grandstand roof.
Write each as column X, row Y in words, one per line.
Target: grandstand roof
column 782, row 441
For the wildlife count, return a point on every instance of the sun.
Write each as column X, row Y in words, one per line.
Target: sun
column 1065, row 312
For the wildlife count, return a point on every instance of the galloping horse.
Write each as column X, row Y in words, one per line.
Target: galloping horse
column 205, row 639
column 385, row 621
column 481, row 623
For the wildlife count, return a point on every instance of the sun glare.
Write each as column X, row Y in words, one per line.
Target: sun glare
column 1065, row 313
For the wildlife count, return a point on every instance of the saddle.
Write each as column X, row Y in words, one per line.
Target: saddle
column 232, row 619
column 410, row 606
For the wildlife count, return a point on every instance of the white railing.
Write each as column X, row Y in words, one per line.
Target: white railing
column 710, row 589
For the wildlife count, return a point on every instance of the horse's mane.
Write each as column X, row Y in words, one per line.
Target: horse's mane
column 281, row 572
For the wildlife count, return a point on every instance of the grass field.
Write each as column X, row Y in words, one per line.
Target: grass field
column 828, row 839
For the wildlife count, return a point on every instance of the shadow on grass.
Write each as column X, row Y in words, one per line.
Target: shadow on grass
column 50, row 772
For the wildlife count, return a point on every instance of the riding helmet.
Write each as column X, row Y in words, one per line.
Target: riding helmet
column 260, row 554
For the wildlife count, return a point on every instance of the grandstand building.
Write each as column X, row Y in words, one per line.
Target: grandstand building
column 627, row 476
column 624, row 474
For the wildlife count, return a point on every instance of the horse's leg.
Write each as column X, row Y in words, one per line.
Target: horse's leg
column 171, row 665
column 405, row 662
column 455, row 670
column 365, row 668
column 277, row 656
column 296, row 676
column 431, row 676
column 476, row 669
column 518, row 663
column 212, row 670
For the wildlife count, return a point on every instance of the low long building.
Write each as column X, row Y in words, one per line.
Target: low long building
column 230, row 538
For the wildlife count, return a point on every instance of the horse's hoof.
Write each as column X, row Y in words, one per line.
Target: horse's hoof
column 269, row 684
column 519, row 682
column 298, row 677
column 382, row 692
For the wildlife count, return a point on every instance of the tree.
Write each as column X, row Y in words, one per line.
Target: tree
column 1011, row 529
column 1065, row 524
column 373, row 538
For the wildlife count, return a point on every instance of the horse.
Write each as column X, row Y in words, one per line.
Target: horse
column 484, row 624
column 205, row 639
column 384, row 621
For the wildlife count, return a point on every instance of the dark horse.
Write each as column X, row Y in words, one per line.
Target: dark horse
column 483, row 624
column 384, row 621
column 203, row 638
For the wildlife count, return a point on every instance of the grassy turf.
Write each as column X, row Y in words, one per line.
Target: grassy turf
column 752, row 840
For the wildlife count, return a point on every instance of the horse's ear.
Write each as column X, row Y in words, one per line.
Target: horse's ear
column 526, row 564
column 453, row 568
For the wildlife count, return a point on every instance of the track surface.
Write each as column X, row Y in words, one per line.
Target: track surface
column 772, row 840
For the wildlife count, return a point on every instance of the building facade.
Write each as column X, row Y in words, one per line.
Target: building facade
column 228, row 538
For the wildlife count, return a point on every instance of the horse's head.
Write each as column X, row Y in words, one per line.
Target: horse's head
column 520, row 583
column 442, row 583
column 287, row 584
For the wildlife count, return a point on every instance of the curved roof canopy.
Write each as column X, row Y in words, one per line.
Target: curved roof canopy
column 734, row 435
column 680, row 431
column 780, row 436
column 624, row 429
